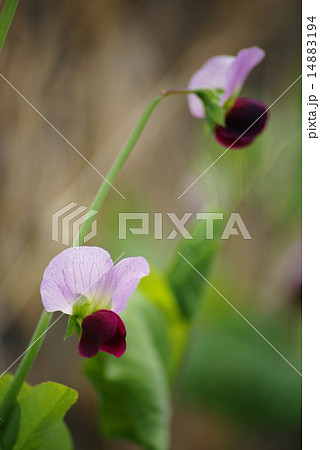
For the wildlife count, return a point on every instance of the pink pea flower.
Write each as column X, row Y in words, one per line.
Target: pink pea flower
column 245, row 118
column 84, row 283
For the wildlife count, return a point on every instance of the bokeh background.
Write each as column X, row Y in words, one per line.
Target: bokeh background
column 90, row 68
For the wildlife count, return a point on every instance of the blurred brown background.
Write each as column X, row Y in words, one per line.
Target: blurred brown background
column 90, row 67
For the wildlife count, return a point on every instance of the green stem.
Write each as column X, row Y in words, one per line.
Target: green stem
column 24, row 367
column 39, row 334
column 107, row 184
column 169, row 92
column 6, row 17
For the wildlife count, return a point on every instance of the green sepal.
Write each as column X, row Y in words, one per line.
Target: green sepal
column 215, row 114
column 230, row 102
column 74, row 326
column 83, row 307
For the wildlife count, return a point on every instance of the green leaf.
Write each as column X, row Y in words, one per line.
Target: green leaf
column 186, row 284
column 134, row 390
column 157, row 290
column 58, row 437
column 5, row 381
column 6, row 18
column 36, row 420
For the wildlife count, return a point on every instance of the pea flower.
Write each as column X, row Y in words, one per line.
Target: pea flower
column 83, row 283
column 218, row 83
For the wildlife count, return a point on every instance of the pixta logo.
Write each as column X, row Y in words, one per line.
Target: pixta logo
column 235, row 225
column 67, row 221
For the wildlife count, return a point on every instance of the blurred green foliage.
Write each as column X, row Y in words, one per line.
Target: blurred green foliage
column 183, row 339
column 232, row 369
column 188, row 287
column 134, row 391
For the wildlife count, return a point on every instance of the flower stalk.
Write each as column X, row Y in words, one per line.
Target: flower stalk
column 116, row 168
column 24, row 368
column 45, row 319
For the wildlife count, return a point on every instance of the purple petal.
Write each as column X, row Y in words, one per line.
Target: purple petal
column 244, row 121
column 239, row 70
column 74, row 272
column 102, row 330
column 212, row 75
column 126, row 276
column 117, row 345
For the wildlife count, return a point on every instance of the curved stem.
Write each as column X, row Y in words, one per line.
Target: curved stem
column 116, row 167
column 39, row 334
column 24, row 367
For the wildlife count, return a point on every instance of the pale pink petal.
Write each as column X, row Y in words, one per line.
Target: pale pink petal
column 74, row 272
column 126, row 276
column 212, row 75
column 246, row 60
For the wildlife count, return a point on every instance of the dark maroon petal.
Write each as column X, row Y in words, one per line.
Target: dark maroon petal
column 98, row 328
column 105, row 331
column 244, row 121
column 88, row 346
column 117, row 345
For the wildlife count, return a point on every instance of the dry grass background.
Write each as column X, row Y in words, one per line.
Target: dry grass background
column 90, row 68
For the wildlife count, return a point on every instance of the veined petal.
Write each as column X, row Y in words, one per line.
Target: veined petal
column 212, row 75
column 237, row 73
column 74, row 272
column 126, row 276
